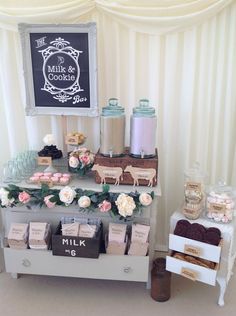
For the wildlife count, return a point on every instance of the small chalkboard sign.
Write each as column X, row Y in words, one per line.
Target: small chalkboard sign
column 60, row 69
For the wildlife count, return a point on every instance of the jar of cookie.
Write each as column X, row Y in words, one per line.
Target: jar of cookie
column 194, row 192
column 220, row 203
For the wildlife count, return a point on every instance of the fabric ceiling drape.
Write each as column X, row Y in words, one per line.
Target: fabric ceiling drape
column 178, row 54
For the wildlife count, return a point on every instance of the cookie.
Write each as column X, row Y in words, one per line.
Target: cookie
column 195, row 234
column 212, row 238
column 181, row 228
column 199, row 227
column 214, row 229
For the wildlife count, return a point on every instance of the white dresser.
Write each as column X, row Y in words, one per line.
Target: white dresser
column 115, row 267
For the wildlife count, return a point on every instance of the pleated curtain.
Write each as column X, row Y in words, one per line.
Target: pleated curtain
column 178, row 54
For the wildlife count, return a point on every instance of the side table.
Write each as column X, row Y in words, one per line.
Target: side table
column 228, row 251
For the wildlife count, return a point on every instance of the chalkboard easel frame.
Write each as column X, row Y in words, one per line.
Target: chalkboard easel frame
column 64, row 109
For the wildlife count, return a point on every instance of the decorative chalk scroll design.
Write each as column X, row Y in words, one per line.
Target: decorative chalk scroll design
column 108, row 172
column 60, row 63
column 144, row 174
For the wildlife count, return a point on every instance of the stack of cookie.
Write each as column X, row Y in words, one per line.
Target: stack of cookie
column 198, row 232
column 199, row 261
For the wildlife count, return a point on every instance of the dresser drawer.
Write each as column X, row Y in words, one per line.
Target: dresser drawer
column 194, row 248
column 191, row 271
column 111, row 267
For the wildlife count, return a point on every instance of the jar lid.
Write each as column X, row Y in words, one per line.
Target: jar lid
column 113, row 108
column 222, row 189
column 143, row 109
column 195, row 172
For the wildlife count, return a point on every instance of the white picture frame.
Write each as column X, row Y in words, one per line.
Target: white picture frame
column 60, row 68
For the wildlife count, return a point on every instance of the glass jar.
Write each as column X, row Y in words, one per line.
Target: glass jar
column 194, row 192
column 220, row 203
column 112, row 129
column 160, row 281
column 143, row 124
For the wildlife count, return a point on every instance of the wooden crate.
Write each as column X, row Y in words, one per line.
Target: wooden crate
column 126, row 170
column 76, row 246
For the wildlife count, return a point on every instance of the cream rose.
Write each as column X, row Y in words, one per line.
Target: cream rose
column 145, row 199
column 5, row 201
column 73, row 162
column 84, row 201
column 125, row 205
column 67, row 195
column 48, row 139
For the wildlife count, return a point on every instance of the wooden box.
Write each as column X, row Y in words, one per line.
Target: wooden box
column 76, row 246
column 126, row 170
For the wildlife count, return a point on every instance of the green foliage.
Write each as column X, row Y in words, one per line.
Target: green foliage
column 37, row 198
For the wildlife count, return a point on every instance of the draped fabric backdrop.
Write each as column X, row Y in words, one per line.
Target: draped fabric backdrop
column 178, row 54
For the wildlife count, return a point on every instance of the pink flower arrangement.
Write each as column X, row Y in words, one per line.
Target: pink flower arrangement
column 105, row 206
column 81, row 160
column 85, row 159
column 47, row 201
column 24, row 197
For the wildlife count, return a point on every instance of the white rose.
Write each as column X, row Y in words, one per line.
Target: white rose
column 67, row 195
column 145, row 199
column 73, row 162
column 84, row 201
column 125, row 205
column 5, row 201
column 48, row 139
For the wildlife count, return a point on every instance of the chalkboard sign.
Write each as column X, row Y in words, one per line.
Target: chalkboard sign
column 60, row 69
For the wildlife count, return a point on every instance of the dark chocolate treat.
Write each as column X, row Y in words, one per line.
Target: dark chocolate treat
column 181, row 228
column 183, row 222
column 195, row 234
column 180, row 231
column 214, row 229
column 199, row 227
column 50, row 151
column 212, row 238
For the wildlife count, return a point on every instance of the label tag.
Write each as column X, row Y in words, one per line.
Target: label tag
column 44, row 161
column 217, row 208
column 140, row 233
column 196, row 186
column 190, row 211
column 18, row 231
column 71, row 229
column 37, row 231
column 117, row 232
column 189, row 274
column 86, row 230
column 192, row 250
column 72, row 140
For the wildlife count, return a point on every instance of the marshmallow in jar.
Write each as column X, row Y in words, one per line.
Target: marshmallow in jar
column 112, row 129
column 143, row 125
column 193, row 192
column 220, row 203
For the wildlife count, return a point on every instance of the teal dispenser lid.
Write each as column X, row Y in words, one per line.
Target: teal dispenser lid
column 113, row 108
column 143, row 109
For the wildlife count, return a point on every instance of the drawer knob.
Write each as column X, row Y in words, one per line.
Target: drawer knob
column 127, row 269
column 26, row 263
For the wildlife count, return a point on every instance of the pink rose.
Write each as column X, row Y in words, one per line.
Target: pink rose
column 24, row 197
column 85, row 159
column 105, row 206
column 47, row 201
